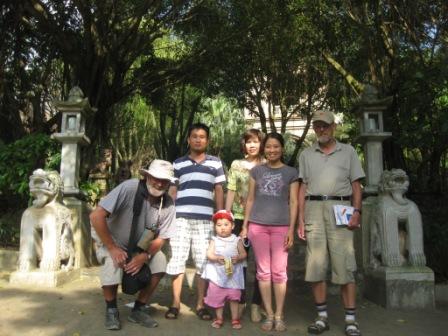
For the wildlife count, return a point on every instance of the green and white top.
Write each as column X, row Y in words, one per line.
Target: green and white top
column 238, row 181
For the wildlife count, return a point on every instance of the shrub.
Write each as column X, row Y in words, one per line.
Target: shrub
column 20, row 158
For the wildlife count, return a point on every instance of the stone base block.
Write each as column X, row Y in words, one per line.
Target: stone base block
column 400, row 287
column 44, row 279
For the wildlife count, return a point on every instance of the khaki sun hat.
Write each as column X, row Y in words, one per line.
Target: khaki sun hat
column 325, row 116
column 160, row 169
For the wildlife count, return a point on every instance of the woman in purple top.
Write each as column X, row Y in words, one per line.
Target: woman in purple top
column 269, row 221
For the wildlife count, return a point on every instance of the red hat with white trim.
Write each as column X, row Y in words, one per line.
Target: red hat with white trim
column 223, row 214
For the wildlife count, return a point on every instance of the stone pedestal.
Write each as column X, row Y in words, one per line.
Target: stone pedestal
column 400, row 287
column 81, row 231
column 44, row 279
column 362, row 235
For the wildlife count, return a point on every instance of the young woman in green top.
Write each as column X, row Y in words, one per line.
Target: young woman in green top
column 237, row 188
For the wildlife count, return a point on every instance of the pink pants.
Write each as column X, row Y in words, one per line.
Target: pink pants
column 217, row 296
column 271, row 257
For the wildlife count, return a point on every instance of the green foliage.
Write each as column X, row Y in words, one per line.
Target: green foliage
column 20, row 158
column 92, row 191
column 227, row 124
column 133, row 134
column 434, row 212
column 10, row 228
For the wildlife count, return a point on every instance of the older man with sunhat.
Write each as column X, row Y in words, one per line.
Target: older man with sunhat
column 112, row 221
column 330, row 173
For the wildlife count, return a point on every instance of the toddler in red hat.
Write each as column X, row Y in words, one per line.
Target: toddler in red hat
column 226, row 258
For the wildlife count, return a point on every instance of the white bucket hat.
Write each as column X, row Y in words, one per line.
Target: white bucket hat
column 160, row 169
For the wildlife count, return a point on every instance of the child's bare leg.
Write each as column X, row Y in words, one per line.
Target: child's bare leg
column 234, row 310
column 219, row 313
column 217, row 323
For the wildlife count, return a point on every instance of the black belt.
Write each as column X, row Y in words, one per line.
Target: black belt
column 328, row 198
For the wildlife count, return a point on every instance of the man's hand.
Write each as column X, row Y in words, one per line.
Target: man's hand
column 355, row 221
column 136, row 263
column 301, row 230
column 118, row 255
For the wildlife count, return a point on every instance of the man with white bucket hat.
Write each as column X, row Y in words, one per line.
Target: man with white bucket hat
column 112, row 222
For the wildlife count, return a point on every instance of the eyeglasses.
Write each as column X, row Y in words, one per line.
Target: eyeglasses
column 321, row 126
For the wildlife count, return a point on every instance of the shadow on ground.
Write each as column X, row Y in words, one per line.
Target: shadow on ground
column 77, row 309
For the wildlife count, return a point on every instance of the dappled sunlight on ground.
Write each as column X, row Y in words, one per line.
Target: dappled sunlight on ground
column 78, row 309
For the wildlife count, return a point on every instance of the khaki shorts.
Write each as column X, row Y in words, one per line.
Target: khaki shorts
column 328, row 243
column 111, row 275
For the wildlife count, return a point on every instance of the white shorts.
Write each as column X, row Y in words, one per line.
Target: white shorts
column 189, row 232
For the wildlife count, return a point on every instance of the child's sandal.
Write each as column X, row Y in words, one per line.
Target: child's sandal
column 217, row 323
column 236, row 324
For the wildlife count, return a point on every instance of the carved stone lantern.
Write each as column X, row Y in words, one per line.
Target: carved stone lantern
column 370, row 110
column 72, row 136
column 372, row 121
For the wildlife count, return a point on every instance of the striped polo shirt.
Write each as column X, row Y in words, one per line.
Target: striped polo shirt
column 196, row 185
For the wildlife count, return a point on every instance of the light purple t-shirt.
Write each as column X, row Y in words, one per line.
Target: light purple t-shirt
column 271, row 203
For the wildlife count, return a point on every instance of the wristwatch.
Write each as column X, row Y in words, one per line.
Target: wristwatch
column 149, row 256
column 357, row 210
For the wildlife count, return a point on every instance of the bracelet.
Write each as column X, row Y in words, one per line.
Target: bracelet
column 357, row 210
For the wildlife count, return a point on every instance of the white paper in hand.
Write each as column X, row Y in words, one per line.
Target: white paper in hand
column 342, row 214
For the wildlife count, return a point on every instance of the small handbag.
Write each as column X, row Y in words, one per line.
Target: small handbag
column 131, row 284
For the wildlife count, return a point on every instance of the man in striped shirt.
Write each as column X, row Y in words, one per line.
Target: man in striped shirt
column 199, row 192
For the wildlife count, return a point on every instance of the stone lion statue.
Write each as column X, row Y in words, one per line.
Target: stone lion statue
column 396, row 230
column 45, row 229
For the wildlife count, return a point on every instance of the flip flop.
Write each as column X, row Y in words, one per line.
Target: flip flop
column 204, row 314
column 172, row 313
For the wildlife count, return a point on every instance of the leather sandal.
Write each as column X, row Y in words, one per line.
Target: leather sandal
column 352, row 328
column 319, row 325
column 204, row 314
column 279, row 324
column 268, row 323
column 172, row 313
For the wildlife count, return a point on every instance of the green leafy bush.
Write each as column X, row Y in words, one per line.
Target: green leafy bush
column 92, row 191
column 20, row 158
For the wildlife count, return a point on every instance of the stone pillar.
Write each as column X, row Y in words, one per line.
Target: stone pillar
column 370, row 112
column 72, row 137
column 373, row 151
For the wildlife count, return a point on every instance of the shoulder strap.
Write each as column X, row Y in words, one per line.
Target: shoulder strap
column 140, row 196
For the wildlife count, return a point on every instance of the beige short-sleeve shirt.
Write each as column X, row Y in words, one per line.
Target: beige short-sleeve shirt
column 330, row 174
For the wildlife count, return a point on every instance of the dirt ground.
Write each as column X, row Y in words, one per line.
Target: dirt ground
column 77, row 309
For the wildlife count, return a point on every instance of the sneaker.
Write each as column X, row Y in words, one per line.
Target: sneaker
column 112, row 321
column 142, row 318
column 255, row 314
